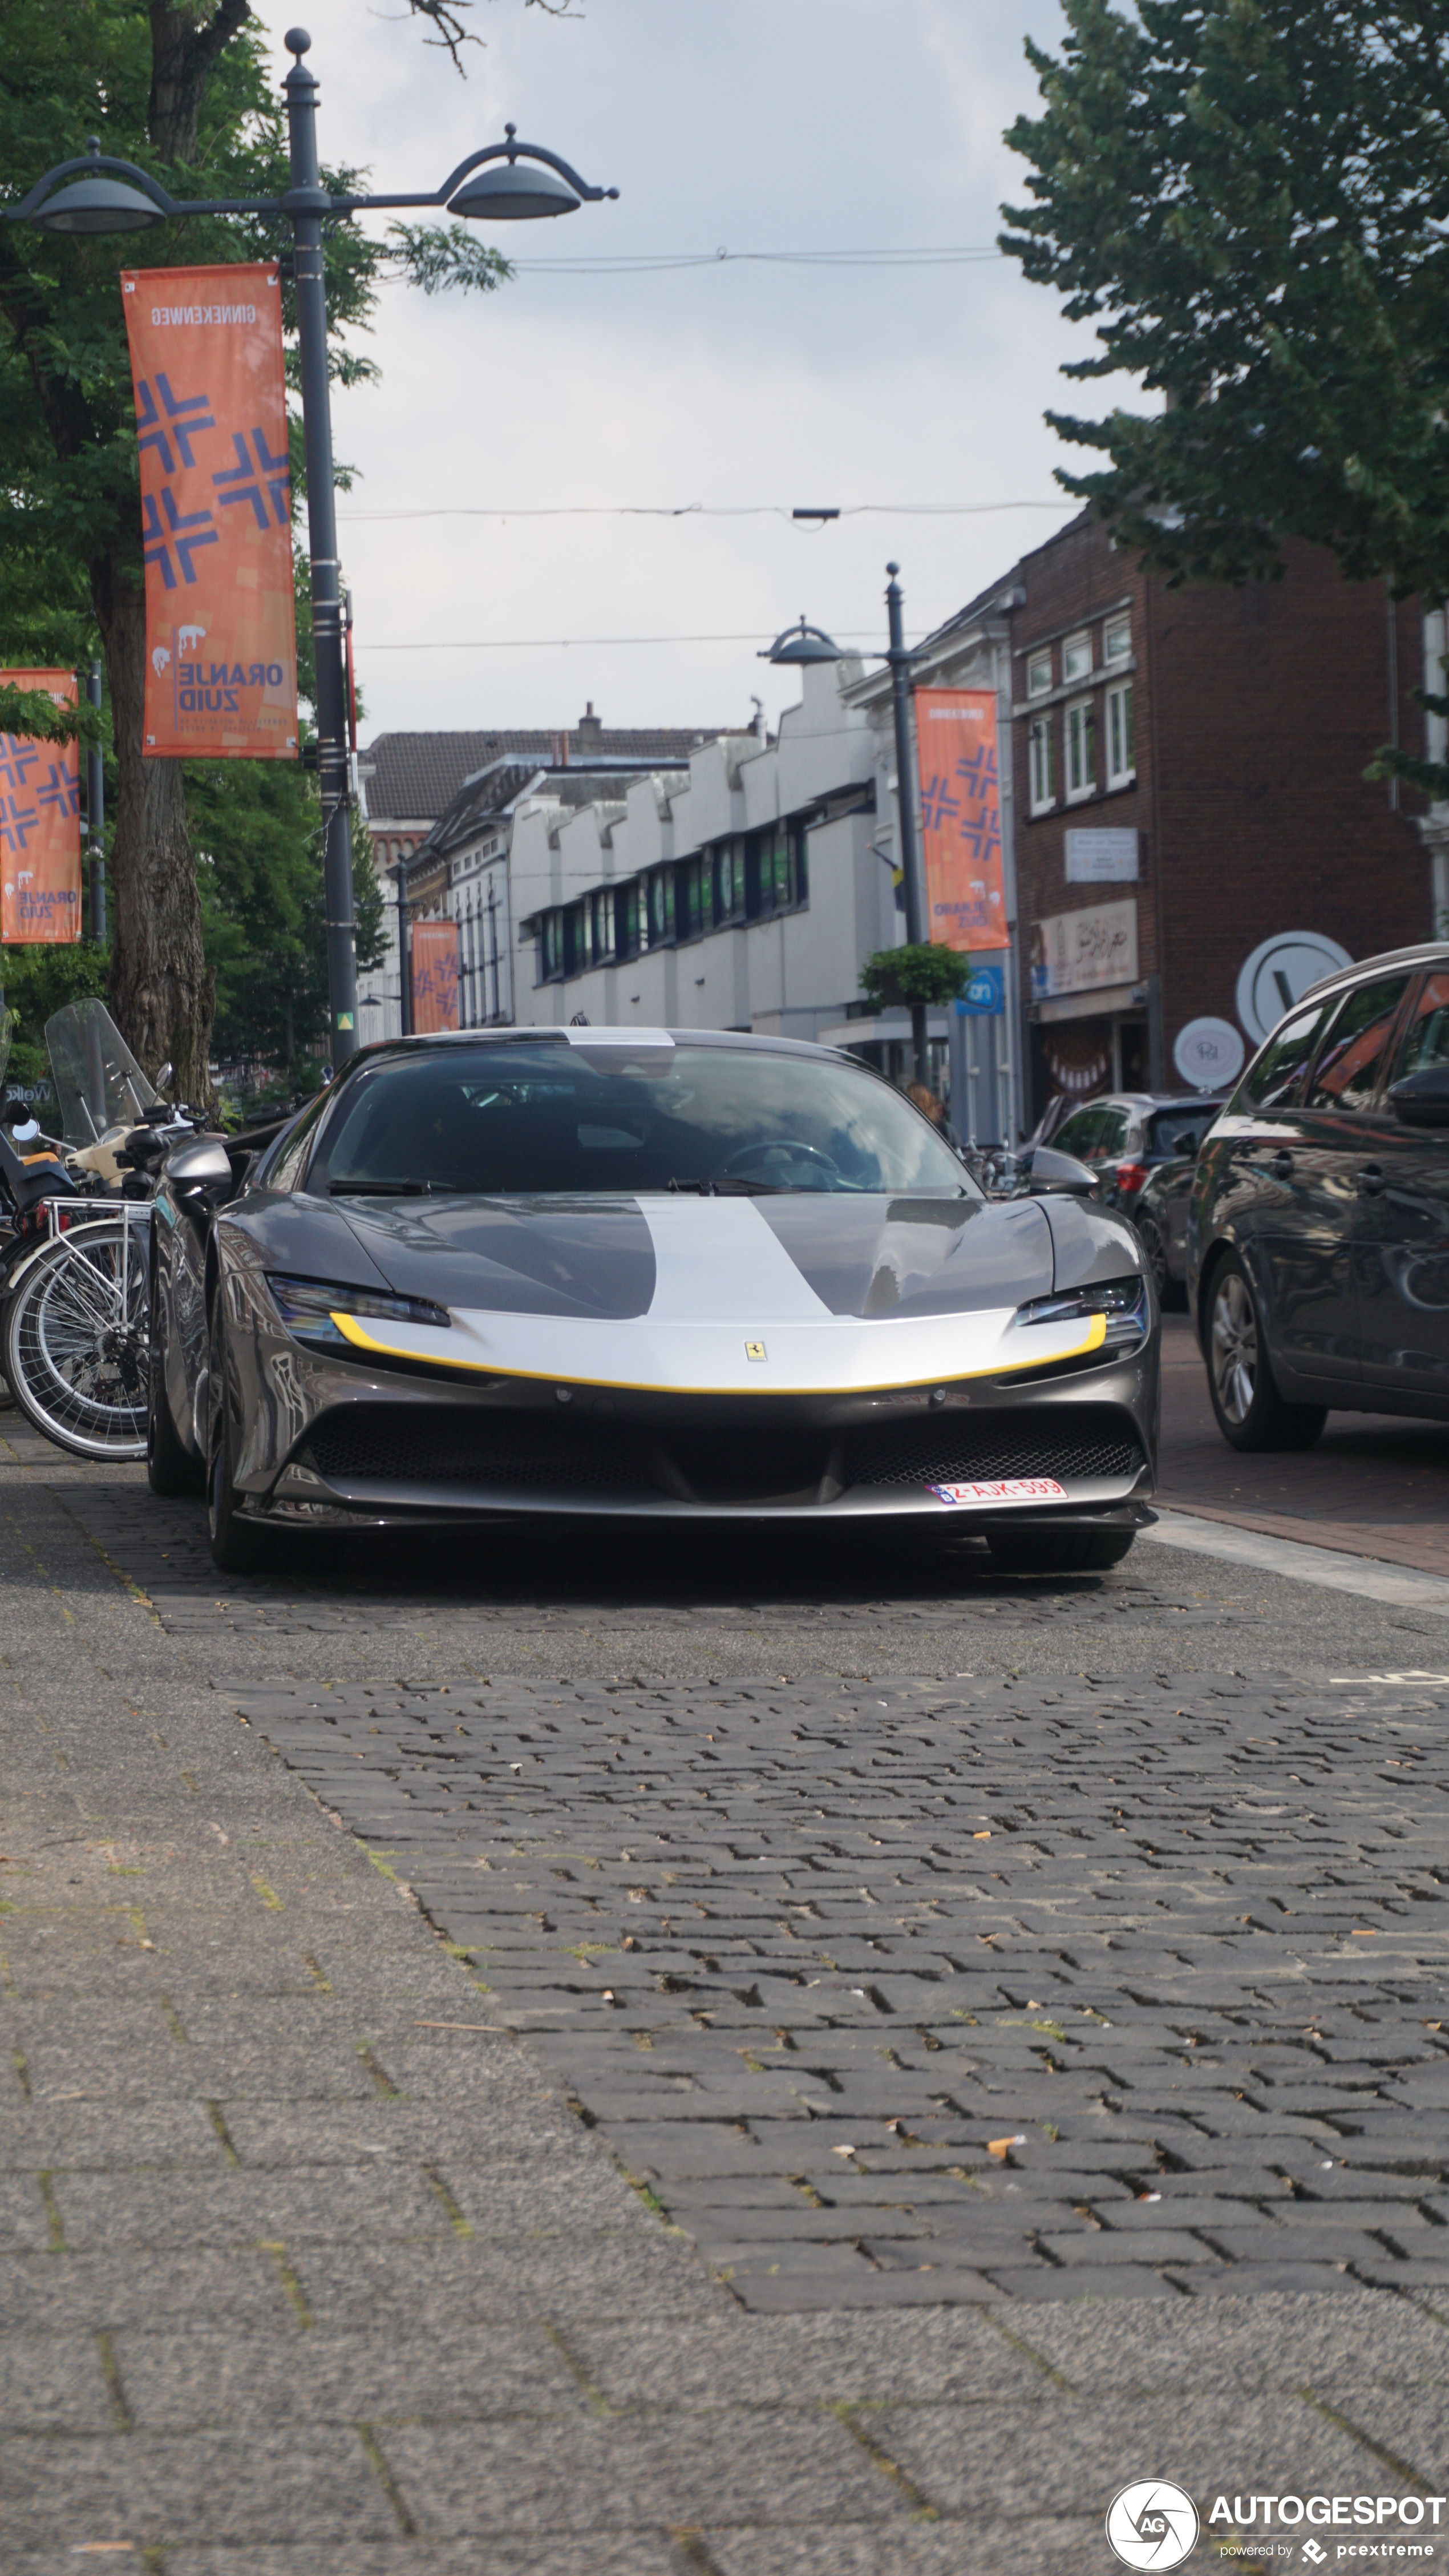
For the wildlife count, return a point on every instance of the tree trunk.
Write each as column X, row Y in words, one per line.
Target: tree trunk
column 161, row 988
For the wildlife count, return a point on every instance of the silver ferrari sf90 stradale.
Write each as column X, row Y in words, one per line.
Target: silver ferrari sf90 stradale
column 678, row 1276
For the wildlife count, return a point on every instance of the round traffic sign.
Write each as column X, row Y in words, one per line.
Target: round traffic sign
column 1279, row 970
column 1209, row 1054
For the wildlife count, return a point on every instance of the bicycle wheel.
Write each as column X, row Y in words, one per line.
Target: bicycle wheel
column 76, row 1340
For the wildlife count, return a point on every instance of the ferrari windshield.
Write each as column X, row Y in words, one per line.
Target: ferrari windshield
column 519, row 1120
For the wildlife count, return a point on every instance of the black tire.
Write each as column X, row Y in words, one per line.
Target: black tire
column 1057, row 1551
column 1251, row 1414
column 1171, row 1294
column 236, row 1547
column 171, row 1469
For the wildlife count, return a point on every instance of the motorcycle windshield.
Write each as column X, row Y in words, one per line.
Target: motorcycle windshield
column 98, row 1082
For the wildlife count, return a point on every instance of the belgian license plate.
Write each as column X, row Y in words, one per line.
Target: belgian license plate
column 1003, row 1489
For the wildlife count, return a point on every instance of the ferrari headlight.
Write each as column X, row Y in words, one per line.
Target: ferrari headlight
column 307, row 1308
column 1122, row 1301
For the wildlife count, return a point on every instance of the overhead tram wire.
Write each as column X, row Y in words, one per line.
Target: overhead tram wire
column 644, row 263
column 712, row 510
column 578, row 643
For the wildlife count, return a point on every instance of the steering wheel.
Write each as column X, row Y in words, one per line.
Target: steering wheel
column 793, row 1147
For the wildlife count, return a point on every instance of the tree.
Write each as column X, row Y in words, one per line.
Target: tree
column 922, row 975
column 1254, row 196
column 180, row 86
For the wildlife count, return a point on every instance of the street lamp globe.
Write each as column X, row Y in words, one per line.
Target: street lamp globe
column 102, row 204
column 507, row 194
column 801, row 644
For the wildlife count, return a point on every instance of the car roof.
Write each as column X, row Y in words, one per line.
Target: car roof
column 1430, row 952
column 610, row 1037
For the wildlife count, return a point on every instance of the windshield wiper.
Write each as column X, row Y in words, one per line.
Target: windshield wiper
column 378, row 1189
column 733, row 1187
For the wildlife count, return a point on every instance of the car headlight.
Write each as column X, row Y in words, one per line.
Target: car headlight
column 1122, row 1301
column 307, row 1308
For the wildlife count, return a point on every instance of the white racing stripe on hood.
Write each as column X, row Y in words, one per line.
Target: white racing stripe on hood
column 716, row 1260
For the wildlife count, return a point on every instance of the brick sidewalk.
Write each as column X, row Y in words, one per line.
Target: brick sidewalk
column 1374, row 1484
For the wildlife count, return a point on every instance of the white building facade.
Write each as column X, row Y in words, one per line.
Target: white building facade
column 743, row 895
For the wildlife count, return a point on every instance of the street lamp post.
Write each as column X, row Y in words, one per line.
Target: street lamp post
column 118, row 196
column 902, row 662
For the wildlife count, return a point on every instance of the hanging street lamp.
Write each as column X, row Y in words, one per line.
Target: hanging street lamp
column 508, row 182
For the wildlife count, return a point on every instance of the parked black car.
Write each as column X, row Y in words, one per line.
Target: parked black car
column 1123, row 1136
column 1318, row 1260
column 1164, row 1203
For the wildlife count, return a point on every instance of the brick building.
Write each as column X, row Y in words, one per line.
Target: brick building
column 1188, row 785
column 1187, row 831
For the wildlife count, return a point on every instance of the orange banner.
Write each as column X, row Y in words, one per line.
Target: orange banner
column 216, row 512
column 435, row 975
column 40, row 835
column 961, row 818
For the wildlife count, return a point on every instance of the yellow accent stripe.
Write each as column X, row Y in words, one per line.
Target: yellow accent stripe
column 362, row 1340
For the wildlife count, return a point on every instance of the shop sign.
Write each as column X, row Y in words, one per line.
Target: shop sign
column 1084, row 952
column 1101, row 858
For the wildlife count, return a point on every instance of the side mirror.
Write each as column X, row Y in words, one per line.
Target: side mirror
column 1053, row 1171
column 201, row 1169
column 1422, row 1099
column 166, row 1076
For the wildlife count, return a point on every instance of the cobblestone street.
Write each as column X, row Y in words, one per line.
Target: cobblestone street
column 534, row 2060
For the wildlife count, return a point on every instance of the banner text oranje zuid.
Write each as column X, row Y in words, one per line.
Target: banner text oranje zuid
column 40, row 834
column 216, row 519
column 961, row 818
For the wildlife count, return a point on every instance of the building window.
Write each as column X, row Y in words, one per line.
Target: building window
column 1077, row 658
column 688, row 899
column 1117, row 640
column 1081, row 730
column 729, row 883
column 601, row 924
column 777, row 875
column 1038, row 675
column 551, row 947
column 661, row 908
column 626, row 921
column 1121, row 767
column 1042, row 765
column 576, row 939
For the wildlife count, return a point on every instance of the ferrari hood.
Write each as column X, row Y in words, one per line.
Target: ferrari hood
column 683, row 1257
column 769, row 1295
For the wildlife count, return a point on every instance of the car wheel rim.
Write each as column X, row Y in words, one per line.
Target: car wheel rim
column 1234, row 1349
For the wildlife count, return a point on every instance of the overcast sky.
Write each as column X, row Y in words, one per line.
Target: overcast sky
column 756, row 125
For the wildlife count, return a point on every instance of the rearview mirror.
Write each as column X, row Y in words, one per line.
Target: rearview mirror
column 166, row 1076
column 1053, row 1171
column 1422, row 1099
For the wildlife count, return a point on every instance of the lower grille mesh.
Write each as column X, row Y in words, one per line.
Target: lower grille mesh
column 535, row 1452
column 438, row 1447
column 948, row 1451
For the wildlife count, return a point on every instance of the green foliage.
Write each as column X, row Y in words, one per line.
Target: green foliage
column 32, row 713
column 923, row 971
column 35, row 981
column 184, row 88
column 437, row 257
column 1248, row 197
